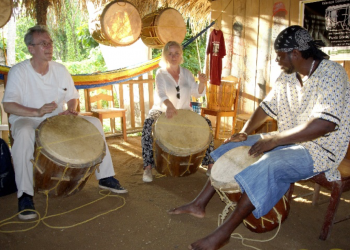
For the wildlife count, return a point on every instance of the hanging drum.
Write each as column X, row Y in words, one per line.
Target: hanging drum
column 116, row 24
column 163, row 26
column 5, row 11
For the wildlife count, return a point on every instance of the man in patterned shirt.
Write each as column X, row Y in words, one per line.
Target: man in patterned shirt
column 310, row 103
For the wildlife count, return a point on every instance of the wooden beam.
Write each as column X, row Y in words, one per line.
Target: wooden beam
column 142, row 101
column 132, row 105
column 150, row 92
column 121, row 96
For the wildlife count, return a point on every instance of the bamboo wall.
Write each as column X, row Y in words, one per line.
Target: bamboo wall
column 250, row 29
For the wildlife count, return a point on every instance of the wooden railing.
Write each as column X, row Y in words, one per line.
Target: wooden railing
column 136, row 96
column 145, row 100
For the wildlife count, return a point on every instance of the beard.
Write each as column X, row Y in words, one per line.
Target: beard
column 290, row 69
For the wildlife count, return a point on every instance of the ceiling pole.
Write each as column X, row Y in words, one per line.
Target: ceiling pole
column 41, row 11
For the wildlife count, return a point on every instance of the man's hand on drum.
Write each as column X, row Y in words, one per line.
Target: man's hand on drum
column 170, row 111
column 47, row 108
column 237, row 137
column 69, row 112
column 265, row 144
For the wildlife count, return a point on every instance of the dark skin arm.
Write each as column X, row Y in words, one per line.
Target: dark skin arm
column 305, row 132
column 254, row 122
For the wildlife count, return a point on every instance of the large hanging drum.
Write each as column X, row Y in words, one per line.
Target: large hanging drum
column 180, row 143
column 163, row 26
column 5, row 11
column 222, row 179
column 68, row 150
column 116, row 24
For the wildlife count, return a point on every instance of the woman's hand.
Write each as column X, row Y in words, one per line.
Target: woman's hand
column 170, row 111
column 241, row 136
column 202, row 77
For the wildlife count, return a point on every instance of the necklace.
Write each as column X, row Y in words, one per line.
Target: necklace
column 312, row 66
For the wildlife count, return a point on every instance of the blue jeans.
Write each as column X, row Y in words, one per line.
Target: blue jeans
column 268, row 179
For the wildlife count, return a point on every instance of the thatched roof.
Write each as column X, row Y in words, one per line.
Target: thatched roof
column 196, row 10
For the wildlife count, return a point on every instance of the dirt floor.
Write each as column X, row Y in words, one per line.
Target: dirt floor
column 138, row 220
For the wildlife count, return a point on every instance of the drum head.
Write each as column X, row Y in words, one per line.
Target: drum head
column 70, row 139
column 121, row 23
column 5, row 11
column 184, row 134
column 228, row 165
column 171, row 26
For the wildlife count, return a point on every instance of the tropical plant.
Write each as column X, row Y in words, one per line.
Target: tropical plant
column 73, row 45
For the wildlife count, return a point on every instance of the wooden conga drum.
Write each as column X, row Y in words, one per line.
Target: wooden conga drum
column 5, row 11
column 180, row 143
column 222, row 179
column 118, row 23
column 67, row 151
column 163, row 26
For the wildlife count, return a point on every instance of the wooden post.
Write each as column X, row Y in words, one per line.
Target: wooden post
column 121, row 96
column 150, row 92
column 41, row 11
column 132, row 105
column 142, row 101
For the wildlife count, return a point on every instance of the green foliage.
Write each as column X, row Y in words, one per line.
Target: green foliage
column 94, row 63
column 85, row 38
column 22, row 25
column 2, row 41
column 73, row 44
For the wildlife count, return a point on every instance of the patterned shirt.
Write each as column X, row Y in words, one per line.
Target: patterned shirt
column 325, row 95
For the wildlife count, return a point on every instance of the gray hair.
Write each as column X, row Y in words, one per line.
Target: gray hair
column 28, row 38
column 166, row 49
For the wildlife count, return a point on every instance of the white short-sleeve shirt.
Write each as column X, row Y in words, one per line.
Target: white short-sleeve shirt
column 27, row 87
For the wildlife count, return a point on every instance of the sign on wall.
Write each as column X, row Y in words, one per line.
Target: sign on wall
column 328, row 21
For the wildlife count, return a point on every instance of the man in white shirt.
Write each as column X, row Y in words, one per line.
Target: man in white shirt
column 38, row 88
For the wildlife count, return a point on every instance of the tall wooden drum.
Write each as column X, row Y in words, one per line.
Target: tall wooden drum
column 116, row 24
column 5, row 11
column 68, row 150
column 163, row 26
column 222, row 179
column 180, row 143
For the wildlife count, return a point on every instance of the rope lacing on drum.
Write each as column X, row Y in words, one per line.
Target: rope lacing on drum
column 46, row 192
column 239, row 236
column 87, row 176
column 232, row 205
column 229, row 205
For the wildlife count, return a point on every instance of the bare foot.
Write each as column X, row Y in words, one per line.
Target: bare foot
column 213, row 241
column 189, row 208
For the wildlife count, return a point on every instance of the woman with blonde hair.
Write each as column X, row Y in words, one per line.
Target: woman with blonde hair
column 174, row 87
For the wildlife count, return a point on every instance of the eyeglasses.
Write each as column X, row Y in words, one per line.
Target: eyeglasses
column 44, row 44
column 178, row 92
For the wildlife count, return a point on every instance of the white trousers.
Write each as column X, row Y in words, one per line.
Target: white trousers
column 23, row 133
